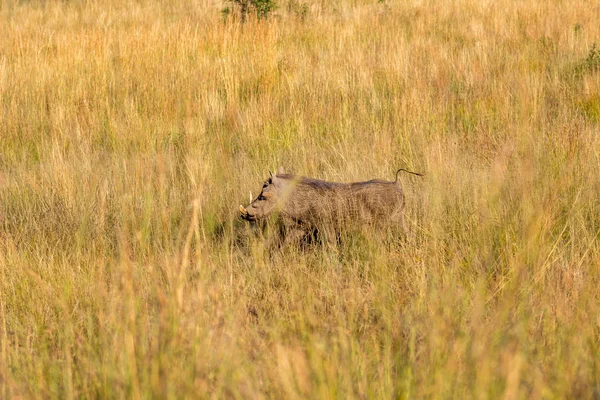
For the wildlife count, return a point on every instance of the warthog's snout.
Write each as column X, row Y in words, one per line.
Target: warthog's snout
column 245, row 214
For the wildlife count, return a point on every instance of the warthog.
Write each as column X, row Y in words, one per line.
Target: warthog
column 310, row 204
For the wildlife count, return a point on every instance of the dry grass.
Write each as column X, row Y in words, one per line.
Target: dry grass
column 130, row 132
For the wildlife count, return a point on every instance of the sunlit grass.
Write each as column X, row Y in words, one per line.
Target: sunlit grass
column 131, row 131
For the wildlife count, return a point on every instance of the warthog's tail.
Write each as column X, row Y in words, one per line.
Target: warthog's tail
column 405, row 170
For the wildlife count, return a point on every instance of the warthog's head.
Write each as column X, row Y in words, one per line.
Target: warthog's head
column 267, row 200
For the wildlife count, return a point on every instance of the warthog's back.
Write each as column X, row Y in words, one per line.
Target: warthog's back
column 315, row 202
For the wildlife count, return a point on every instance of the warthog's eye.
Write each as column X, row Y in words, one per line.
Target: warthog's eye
column 261, row 197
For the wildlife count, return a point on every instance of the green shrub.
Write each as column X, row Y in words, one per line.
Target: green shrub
column 591, row 63
column 260, row 8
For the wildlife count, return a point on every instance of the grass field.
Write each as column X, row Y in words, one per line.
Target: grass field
column 130, row 132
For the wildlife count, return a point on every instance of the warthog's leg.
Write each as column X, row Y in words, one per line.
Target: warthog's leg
column 289, row 236
column 401, row 223
column 296, row 237
column 397, row 225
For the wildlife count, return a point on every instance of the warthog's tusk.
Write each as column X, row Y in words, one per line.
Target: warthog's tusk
column 243, row 210
column 250, row 201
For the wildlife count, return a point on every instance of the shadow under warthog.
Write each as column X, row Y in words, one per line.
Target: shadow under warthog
column 303, row 211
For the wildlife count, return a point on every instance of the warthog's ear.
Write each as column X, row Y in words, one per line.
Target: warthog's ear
column 273, row 178
column 280, row 171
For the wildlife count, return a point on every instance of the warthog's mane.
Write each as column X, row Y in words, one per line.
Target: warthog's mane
column 325, row 185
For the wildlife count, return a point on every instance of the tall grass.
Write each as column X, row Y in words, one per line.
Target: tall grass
column 130, row 131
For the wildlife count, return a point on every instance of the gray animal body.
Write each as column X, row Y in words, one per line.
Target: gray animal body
column 315, row 204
